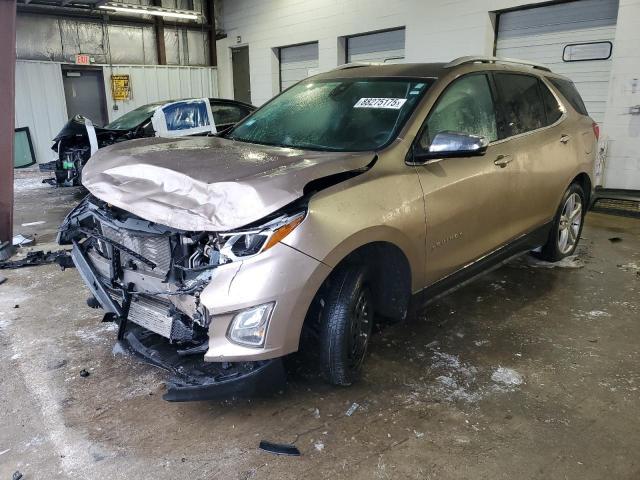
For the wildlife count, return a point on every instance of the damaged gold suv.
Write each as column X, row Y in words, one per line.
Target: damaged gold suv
column 338, row 202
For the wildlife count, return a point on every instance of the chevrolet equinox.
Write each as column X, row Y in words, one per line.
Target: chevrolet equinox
column 339, row 201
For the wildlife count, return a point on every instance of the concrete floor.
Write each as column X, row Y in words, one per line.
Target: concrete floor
column 433, row 403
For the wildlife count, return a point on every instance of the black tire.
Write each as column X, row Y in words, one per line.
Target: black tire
column 345, row 321
column 553, row 250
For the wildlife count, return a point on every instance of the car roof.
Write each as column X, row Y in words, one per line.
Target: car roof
column 400, row 70
column 432, row 70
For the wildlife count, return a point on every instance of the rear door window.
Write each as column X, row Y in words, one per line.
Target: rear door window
column 466, row 106
column 521, row 107
column 568, row 91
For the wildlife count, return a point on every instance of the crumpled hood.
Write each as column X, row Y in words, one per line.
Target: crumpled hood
column 207, row 183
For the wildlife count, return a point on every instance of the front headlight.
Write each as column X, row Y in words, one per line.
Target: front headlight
column 242, row 244
column 249, row 326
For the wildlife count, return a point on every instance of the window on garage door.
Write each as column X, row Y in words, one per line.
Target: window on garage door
column 297, row 63
column 383, row 47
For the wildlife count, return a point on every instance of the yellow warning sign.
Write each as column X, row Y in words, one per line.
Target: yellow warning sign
column 120, row 87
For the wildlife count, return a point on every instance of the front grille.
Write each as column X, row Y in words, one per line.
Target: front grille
column 155, row 248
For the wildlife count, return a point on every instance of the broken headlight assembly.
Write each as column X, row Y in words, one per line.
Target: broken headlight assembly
column 247, row 243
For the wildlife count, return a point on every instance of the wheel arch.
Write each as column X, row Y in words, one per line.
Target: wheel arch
column 584, row 180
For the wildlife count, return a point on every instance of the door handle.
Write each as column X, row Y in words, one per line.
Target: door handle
column 565, row 138
column 503, row 160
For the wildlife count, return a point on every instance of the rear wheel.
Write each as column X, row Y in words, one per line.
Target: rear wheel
column 567, row 226
column 346, row 320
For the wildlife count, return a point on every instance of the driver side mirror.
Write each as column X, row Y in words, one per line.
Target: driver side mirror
column 451, row 144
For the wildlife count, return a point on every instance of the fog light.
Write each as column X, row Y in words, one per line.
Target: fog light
column 249, row 327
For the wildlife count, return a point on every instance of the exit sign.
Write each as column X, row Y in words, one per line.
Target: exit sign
column 82, row 59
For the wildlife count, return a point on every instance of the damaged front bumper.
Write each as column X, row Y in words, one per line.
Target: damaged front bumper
column 190, row 378
column 175, row 307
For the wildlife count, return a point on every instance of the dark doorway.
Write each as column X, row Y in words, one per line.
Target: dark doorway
column 84, row 93
column 241, row 82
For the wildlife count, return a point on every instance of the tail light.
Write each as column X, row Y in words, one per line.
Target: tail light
column 596, row 130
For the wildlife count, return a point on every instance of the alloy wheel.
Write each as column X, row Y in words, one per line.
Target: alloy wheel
column 360, row 329
column 570, row 223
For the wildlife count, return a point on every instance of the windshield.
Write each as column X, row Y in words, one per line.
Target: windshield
column 338, row 114
column 134, row 117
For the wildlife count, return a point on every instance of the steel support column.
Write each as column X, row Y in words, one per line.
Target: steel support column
column 210, row 15
column 7, row 119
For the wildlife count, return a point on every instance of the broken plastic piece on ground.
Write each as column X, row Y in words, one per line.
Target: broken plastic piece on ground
column 279, row 448
column 22, row 241
column 39, row 257
column 84, row 373
column 17, row 475
column 31, row 224
column 354, row 406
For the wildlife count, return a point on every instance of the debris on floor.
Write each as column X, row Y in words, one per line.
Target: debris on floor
column 352, row 409
column 279, row 448
column 507, row 376
column 39, row 257
column 2, row 280
column 32, row 224
column 84, row 373
column 630, row 267
column 319, row 446
column 615, row 239
column 17, row 475
column 598, row 313
column 22, row 240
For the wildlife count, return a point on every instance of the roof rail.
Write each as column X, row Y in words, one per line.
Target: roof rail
column 478, row 59
column 345, row 66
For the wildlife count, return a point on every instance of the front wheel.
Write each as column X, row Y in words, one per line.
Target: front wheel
column 346, row 321
column 567, row 226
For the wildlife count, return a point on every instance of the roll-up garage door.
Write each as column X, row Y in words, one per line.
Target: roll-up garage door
column 297, row 63
column 383, row 47
column 574, row 39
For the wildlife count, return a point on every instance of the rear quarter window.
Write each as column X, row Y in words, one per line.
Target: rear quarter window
column 568, row 91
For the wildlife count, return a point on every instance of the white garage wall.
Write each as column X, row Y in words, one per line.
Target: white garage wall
column 297, row 63
column 41, row 106
column 621, row 127
column 383, row 47
column 436, row 30
column 158, row 83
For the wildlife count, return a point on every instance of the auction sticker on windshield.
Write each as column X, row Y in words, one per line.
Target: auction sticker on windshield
column 391, row 103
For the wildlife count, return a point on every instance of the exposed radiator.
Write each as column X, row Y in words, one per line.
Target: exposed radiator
column 155, row 248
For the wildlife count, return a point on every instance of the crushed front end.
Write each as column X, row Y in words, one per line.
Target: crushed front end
column 149, row 279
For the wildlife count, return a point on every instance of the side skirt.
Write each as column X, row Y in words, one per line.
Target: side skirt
column 482, row 266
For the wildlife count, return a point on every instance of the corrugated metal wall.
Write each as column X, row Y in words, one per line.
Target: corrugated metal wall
column 41, row 106
column 157, row 83
column 45, row 37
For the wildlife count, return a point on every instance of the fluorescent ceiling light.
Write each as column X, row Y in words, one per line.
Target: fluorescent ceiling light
column 157, row 11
